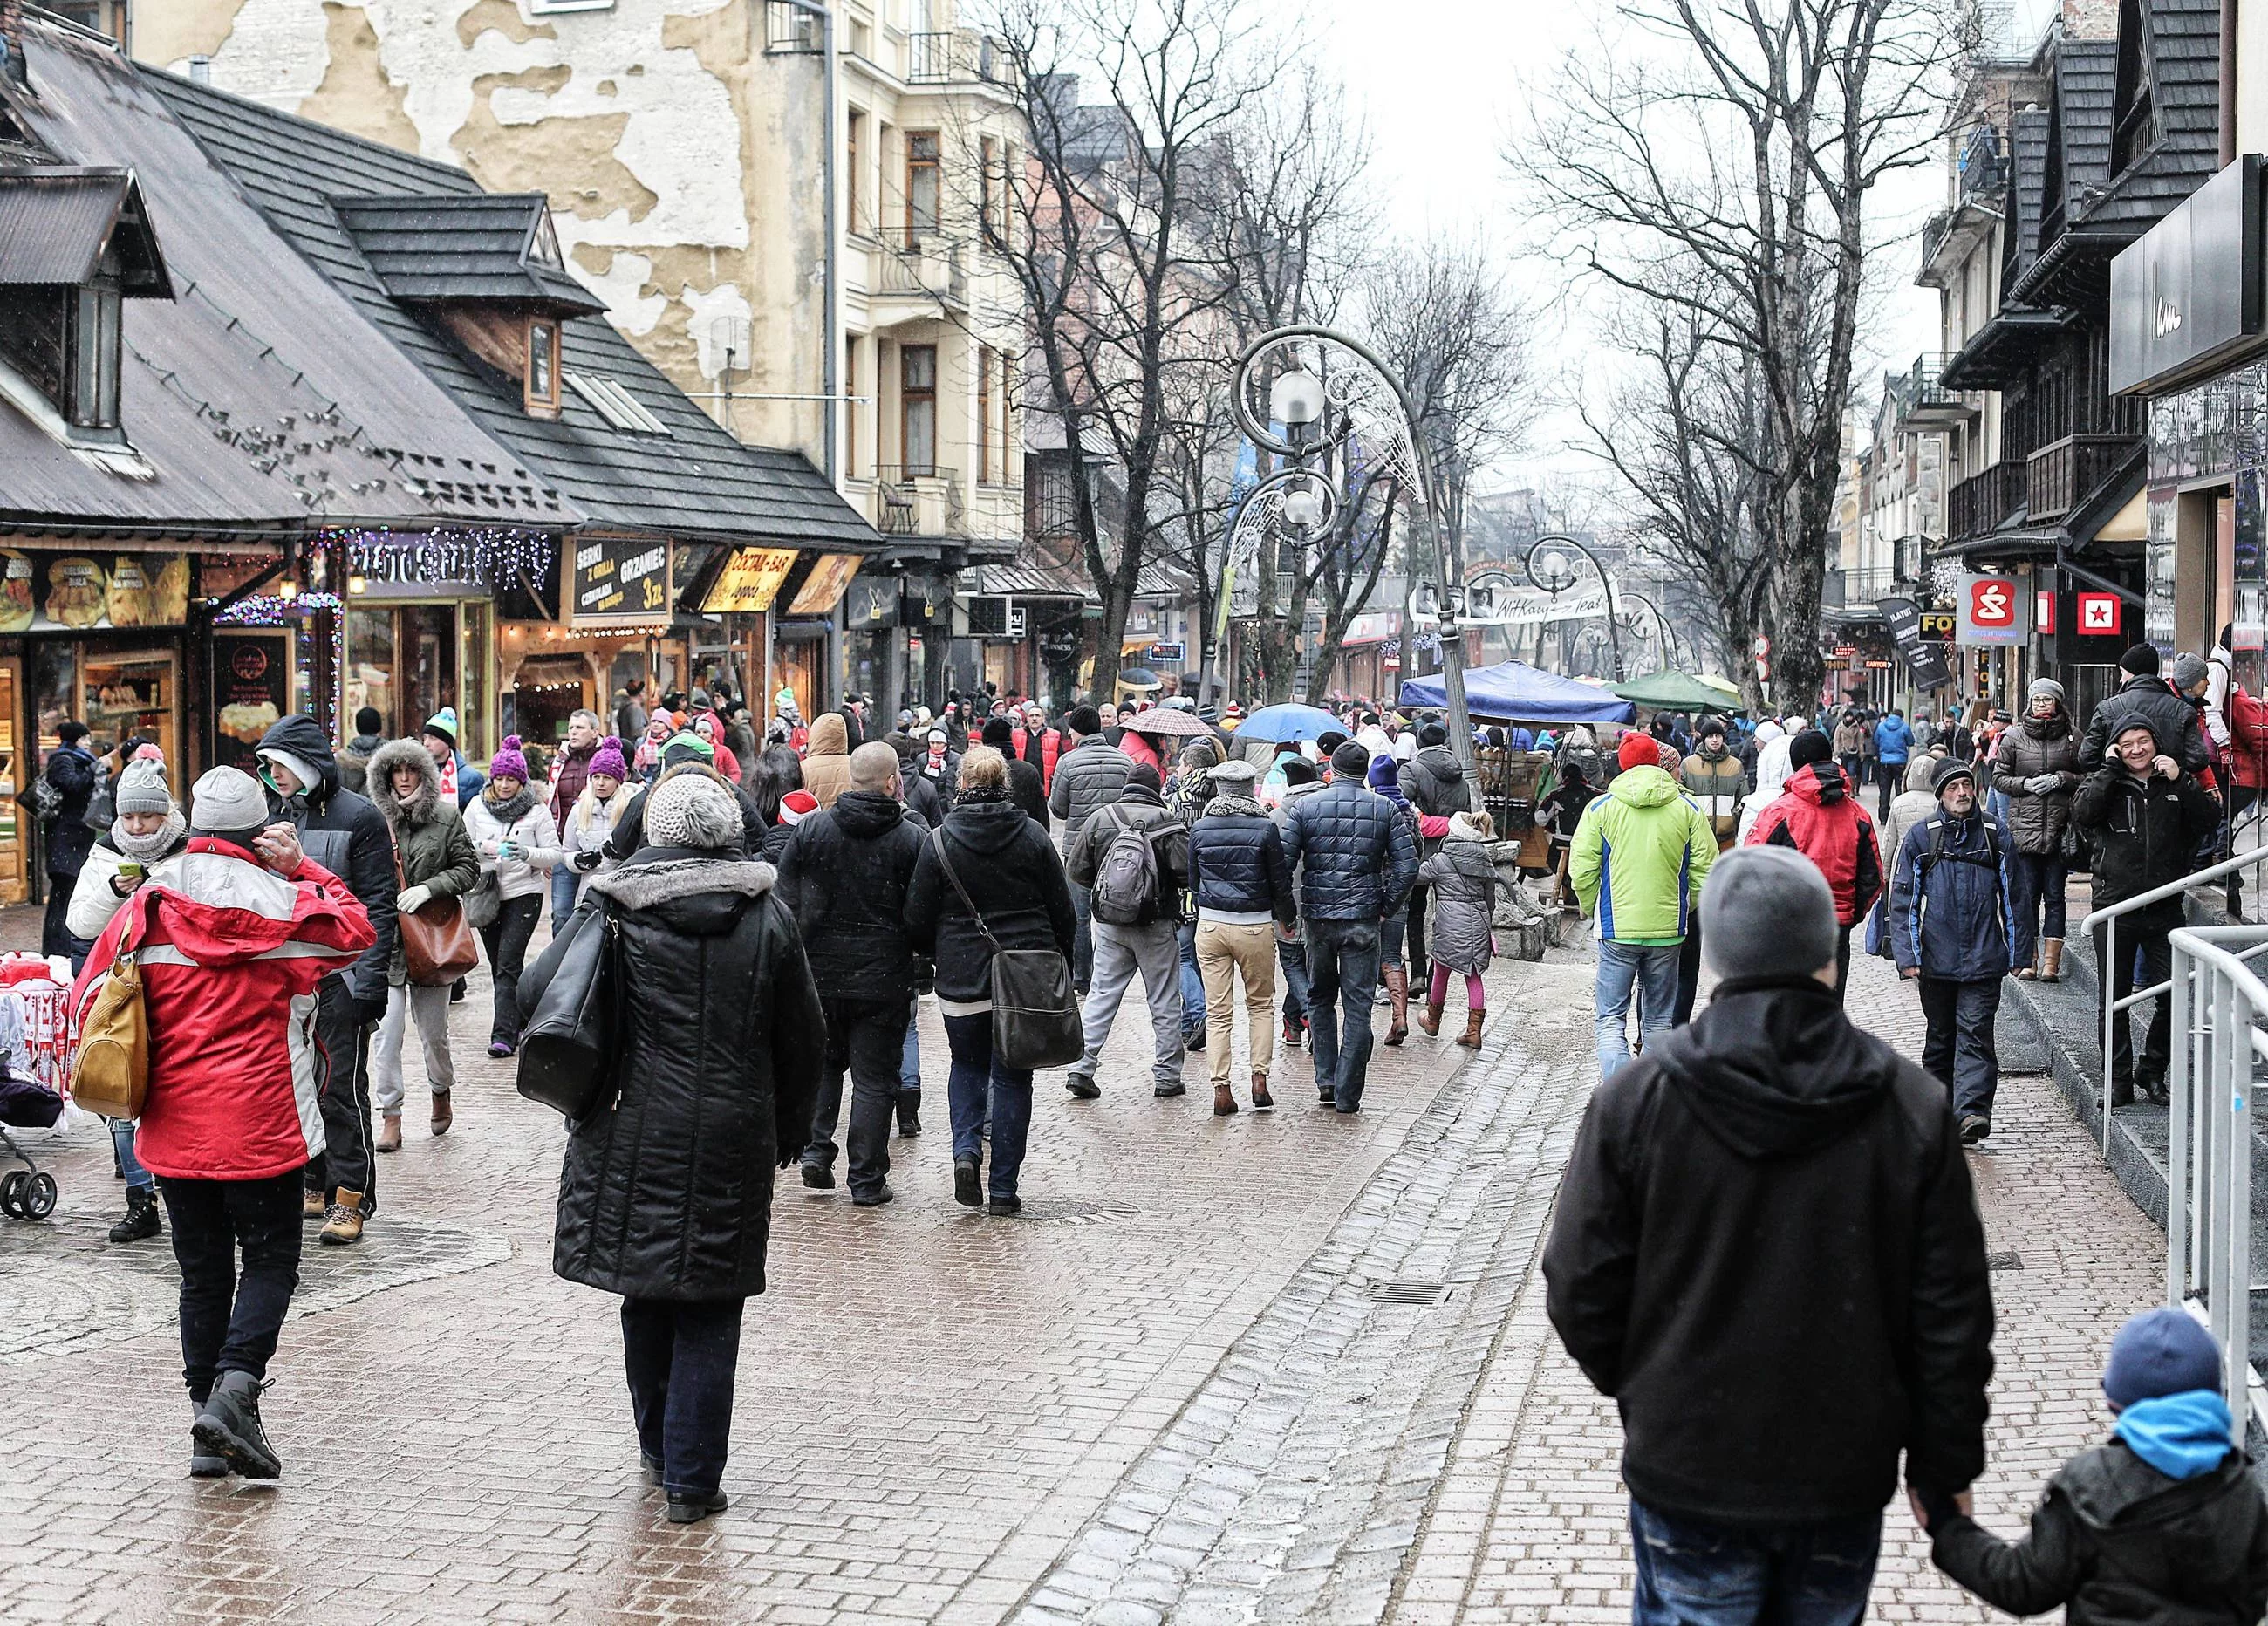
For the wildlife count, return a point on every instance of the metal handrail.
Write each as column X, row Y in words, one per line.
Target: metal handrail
column 2114, row 1010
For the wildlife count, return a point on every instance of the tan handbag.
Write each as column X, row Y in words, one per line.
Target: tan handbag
column 110, row 1076
column 437, row 945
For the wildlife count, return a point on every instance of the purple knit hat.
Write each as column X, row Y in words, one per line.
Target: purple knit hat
column 508, row 762
column 607, row 759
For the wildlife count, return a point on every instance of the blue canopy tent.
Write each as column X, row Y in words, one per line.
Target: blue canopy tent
column 1511, row 692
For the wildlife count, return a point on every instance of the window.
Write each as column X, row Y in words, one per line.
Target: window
column 544, row 367
column 917, row 408
column 984, row 413
column 922, row 180
column 855, row 145
column 611, row 401
column 851, row 408
column 1004, row 196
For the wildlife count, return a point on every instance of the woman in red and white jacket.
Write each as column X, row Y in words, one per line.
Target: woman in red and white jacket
column 232, row 935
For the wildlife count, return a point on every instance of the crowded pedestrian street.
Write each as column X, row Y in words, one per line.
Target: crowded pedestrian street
column 1287, row 1365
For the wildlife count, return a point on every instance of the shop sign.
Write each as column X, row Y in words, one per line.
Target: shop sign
column 1167, row 654
column 2098, row 614
column 871, row 603
column 749, row 581
column 252, row 689
column 1904, row 620
column 2186, row 300
column 2044, row 611
column 77, row 593
column 1991, row 611
column 822, row 590
column 619, row 578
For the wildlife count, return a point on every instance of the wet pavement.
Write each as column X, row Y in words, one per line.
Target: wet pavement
column 1283, row 1366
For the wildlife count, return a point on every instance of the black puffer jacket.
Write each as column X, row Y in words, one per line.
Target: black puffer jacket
column 1088, row 776
column 2030, row 749
column 69, row 837
column 1359, row 856
column 666, row 1194
column 843, row 873
column 1027, row 789
column 2124, row 1545
column 2145, row 833
column 1769, row 1372
column 2171, row 718
column 1236, row 861
column 1012, row 875
column 345, row 833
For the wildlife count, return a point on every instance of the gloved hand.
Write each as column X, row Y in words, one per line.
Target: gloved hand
column 590, row 859
column 415, row 899
column 2041, row 784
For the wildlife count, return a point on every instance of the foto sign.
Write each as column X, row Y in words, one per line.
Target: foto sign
column 1991, row 610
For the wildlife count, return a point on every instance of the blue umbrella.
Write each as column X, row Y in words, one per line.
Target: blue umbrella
column 1278, row 724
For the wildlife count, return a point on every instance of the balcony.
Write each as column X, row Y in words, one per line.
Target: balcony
column 1980, row 503
column 924, row 269
column 958, row 56
column 2058, row 477
column 1923, row 403
column 921, row 500
column 1855, row 592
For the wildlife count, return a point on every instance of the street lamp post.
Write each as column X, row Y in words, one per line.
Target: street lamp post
column 1302, row 403
column 1552, row 572
column 1664, row 636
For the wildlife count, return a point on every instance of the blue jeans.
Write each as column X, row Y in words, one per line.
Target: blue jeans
column 976, row 1071
column 1695, row 1574
column 122, row 1142
column 910, row 1063
column 1342, row 980
column 1082, row 941
column 2036, row 887
column 1293, row 956
column 1192, row 999
column 565, row 878
column 1628, row 968
column 680, row 1358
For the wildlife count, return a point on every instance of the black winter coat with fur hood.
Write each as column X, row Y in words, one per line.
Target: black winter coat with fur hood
column 667, row 1190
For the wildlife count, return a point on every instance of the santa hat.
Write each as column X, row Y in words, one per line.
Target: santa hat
column 797, row 805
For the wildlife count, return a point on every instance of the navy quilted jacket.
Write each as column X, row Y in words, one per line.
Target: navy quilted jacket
column 1236, row 862
column 1360, row 856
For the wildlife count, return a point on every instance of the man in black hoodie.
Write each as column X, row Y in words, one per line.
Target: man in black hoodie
column 844, row 873
column 1434, row 781
column 1767, row 1250
column 346, row 834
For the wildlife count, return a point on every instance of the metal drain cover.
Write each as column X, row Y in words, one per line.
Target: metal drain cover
column 2009, row 1260
column 1408, row 1290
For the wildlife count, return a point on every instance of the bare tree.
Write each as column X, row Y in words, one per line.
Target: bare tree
column 1718, row 161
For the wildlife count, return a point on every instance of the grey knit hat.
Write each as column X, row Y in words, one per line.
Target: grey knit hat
column 690, row 809
column 229, row 802
column 2188, row 672
column 1766, row 912
column 142, row 788
column 2049, row 686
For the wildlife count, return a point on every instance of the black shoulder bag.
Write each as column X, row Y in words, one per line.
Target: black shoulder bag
column 1036, row 1018
column 566, row 1049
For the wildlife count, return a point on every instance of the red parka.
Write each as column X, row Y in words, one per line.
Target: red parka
column 1817, row 815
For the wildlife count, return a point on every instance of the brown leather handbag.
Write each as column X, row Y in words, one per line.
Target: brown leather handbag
column 110, row 1074
column 437, row 945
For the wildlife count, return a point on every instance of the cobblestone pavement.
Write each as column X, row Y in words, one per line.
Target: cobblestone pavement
column 1275, row 1366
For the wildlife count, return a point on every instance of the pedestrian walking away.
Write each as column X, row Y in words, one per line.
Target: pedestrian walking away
column 232, row 936
column 1819, row 815
column 666, row 1196
column 1132, row 857
column 1089, row 775
column 1714, row 778
column 345, row 834
column 1016, row 898
column 1358, row 859
column 1463, row 878
column 1640, row 857
column 519, row 848
column 1299, row 782
column 437, row 862
column 2038, row 772
column 1242, row 888
column 1434, row 781
column 1826, row 1350
column 1894, row 747
column 1950, row 927
column 844, row 875
column 1383, row 776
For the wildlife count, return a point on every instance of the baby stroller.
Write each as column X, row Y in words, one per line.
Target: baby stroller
column 27, row 1193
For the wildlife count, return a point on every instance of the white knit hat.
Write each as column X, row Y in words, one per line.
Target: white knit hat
column 693, row 810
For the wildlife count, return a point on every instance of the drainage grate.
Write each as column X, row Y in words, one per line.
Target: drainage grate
column 1076, row 1212
column 2008, row 1261
column 1409, row 1291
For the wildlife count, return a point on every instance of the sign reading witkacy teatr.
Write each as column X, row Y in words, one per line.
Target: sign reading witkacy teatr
column 1991, row 609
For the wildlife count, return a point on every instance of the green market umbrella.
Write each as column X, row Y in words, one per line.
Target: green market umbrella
column 1673, row 691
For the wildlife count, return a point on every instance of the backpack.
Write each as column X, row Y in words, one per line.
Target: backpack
column 1126, row 879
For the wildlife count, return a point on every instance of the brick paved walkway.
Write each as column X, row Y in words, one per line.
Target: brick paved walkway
column 1182, row 1388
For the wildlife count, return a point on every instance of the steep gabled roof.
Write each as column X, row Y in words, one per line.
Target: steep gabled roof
column 2028, row 148
column 56, row 219
column 2171, row 74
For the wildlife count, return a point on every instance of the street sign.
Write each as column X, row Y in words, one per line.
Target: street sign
column 1937, row 626
column 1991, row 611
column 2099, row 615
column 2043, row 614
column 1904, row 621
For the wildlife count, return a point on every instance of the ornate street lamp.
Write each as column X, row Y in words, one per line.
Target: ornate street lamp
column 1551, row 568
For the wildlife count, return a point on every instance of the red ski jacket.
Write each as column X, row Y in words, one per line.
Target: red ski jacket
column 1817, row 815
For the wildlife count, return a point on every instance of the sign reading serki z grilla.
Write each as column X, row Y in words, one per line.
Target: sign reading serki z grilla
column 618, row 579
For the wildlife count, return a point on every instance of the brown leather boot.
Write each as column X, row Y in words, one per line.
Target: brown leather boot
column 1224, row 1102
column 1260, row 1096
column 442, row 1117
column 1397, row 986
column 389, row 1132
column 311, row 1206
column 1430, row 1022
column 344, row 1223
column 1472, row 1039
column 2050, row 960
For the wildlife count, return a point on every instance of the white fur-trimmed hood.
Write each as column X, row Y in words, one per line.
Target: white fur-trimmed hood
column 643, row 886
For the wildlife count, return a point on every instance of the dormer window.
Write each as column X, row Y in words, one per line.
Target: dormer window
column 543, row 368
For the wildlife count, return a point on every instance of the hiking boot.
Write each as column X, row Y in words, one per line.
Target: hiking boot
column 967, row 1188
column 1292, row 1031
column 690, row 1507
column 442, row 1117
column 312, row 1205
column 203, row 1464
column 1975, row 1127
column 1194, row 1039
column 1224, row 1102
column 1260, row 1099
column 1174, row 1088
column 2050, row 960
column 908, row 1113
column 141, row 1222
column 1082, row 1086
column 344, row 1224
column 1001, row 1207
column 819, row 1176
column 229, row 1427
column 389, row 1132
column 1430, row 1022
column 873, row 1198
column 1472, row 1039
column 1398, row 983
